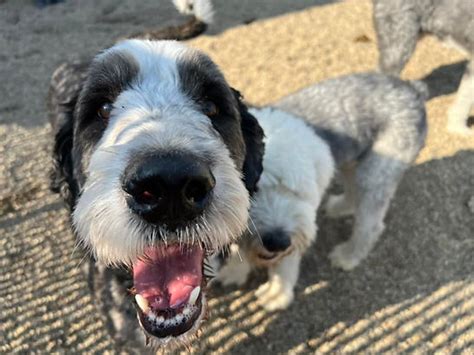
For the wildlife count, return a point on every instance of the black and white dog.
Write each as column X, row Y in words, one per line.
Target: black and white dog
column 400, row 23
column 157, row 157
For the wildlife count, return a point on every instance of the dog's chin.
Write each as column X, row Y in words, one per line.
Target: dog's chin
column 169, row 292
column 267, row 256
column 263, row 257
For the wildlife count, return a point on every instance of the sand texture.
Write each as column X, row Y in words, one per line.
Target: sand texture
column 415, row 291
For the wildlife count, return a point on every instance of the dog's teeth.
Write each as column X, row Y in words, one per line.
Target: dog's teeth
column 142, row 303
column 179, row 318
column 194, row 295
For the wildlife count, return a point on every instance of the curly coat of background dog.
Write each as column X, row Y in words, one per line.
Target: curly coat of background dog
column 370, row 127
column 400, row 23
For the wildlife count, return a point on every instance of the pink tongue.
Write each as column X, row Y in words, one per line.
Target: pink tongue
column 167, row 275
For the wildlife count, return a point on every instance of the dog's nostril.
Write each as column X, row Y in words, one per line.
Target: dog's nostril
column 149, row 197
column 197, row 190
column 144, row 192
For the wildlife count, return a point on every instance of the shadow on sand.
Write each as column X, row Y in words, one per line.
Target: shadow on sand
column 445, row 79
column 414, row 292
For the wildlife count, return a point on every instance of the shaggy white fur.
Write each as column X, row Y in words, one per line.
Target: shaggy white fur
column 297, row 170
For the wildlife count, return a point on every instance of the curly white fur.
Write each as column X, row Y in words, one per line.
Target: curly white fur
column 400, row 23
column 373, row 127
column 297, row 169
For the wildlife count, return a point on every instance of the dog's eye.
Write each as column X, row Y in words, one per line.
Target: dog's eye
column 104, row 111
column 209, row 108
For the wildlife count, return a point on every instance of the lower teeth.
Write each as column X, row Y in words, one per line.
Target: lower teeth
column 180, row 318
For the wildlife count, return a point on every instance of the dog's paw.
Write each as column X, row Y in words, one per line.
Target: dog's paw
column 337, row 206
column 273, row 296
column 278, row 302
column 343, row 257
column 263, row 289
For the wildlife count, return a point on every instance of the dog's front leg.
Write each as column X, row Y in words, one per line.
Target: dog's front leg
column 236, row 269
column 278, row 292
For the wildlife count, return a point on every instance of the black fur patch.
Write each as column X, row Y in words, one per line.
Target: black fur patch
column 65, row 86
column 255, row 147
column 201, row 80
column 77, row 91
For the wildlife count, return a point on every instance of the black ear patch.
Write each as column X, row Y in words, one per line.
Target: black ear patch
column 65, row 87
column 61, row 176
column 255, row 147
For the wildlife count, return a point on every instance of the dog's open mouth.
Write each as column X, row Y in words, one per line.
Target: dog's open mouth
column 168, row 281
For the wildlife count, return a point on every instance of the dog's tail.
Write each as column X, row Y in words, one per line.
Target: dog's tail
column 202, row 14
column 202, row 10
column 421, row 88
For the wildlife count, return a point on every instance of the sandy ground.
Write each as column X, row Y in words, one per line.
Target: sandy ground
column 415, row 292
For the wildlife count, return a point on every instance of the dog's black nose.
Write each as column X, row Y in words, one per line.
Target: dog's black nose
column 277, row 240
column 168, row 189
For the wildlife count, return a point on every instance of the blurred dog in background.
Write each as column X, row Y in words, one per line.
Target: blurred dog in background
column 400, row 23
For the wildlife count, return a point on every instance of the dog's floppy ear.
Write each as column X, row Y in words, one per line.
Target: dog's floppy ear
column 61, row 177
column 65, row 87
column 255, row 147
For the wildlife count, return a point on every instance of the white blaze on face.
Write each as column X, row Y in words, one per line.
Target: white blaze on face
column 152, row 114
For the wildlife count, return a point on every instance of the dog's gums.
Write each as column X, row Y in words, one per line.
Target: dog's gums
column 168, row 281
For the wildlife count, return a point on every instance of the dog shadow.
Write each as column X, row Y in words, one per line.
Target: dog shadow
column 413, row 292
column 445, row 79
